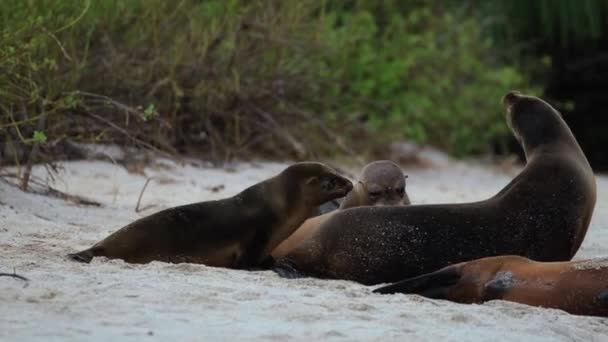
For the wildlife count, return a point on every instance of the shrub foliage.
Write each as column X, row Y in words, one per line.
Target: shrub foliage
column 236, row 78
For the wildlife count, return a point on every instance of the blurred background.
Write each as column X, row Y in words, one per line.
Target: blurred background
column 230, row 79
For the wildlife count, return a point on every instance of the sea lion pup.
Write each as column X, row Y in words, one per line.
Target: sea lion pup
column 578, row 287
column 381, row 183
column 236, row 232
column 543, row 214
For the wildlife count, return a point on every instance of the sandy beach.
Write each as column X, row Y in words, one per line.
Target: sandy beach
column 109, row 299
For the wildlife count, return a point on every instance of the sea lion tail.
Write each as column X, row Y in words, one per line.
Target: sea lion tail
column 84, row 256
column 431, row 285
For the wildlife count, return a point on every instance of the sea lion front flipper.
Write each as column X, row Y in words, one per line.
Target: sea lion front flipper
column 431, row 285
column 286, row 270
column 87, row 255
column 84, row 256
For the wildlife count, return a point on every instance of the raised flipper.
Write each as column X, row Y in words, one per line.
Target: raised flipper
column 431, row 285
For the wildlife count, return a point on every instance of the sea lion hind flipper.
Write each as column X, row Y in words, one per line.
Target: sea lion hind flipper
column 431, row 285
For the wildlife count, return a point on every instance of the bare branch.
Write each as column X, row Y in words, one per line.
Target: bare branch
column 141, row 193
column 34, row 152
column 16, row 276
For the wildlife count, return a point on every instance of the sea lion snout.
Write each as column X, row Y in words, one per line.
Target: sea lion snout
column 343, row 186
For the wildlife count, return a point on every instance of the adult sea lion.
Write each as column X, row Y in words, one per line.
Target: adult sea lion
column 380, row 183
column 236, row 232
column 543, row 214
column 578, row 287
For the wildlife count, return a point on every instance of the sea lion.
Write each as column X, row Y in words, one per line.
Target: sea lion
column 543, row 214
column 236, row 232
column 380, row 183
column 578, row 287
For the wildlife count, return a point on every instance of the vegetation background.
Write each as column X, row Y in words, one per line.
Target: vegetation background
column 302, row 79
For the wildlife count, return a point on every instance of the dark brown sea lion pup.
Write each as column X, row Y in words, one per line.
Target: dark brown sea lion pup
column 381, row 183
column 543, row 214
column 578, row 287
column 236, row 232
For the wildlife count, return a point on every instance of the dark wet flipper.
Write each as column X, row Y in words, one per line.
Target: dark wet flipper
column 431, row 285
column 286, row 270
column 85, row 256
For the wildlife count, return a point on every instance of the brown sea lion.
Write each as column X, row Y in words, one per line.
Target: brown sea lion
column 236, row 232
column 381, row 183
column 543, row 214
column 577, row 287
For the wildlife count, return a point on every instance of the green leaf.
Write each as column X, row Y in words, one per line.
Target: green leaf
column 39, row 137
column 150, row 112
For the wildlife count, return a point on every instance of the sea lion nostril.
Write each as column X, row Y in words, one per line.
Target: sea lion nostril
column 511, row 97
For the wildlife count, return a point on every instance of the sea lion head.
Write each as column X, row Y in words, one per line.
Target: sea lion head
column 532, row 120
column 317, row 182
column 383, row 183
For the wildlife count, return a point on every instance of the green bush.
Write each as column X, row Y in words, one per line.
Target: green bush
column 424, row 75
column 237, row 78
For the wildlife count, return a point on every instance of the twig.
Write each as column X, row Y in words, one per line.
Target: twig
column 283, row 133
column 326, row 130
column 127, row 109
column 14, row 275
column 50, row 191
column 110, row 101
column 73, row 22
column 33, row 153
column 72, row 198
column 141, row 193
column 127, row 134
column 65, row 53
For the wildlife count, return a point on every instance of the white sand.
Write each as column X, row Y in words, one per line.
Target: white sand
column 70, row 301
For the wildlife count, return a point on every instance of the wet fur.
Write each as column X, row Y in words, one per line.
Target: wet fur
column 236, row 232
column 383, row 174
column 543, row 214
column 559, row 285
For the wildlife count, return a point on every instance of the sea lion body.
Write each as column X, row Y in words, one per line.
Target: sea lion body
column 381, row 182
column 579, row 287
column 543, row 214
column 236, row 232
